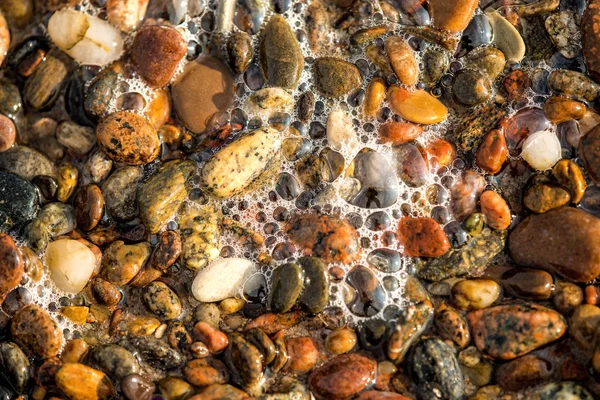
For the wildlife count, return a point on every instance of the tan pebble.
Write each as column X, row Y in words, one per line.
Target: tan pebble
column 416, row 106
column 403, row 61
column 76, row 314
column 560, row 109
column 567, row 296
column 8, row 131
column 495, row 210
column 475, row 294
column 340, row 340
column 215, row 340
column 452, row 16
column 36, row 331
column 126, row 14
column 80, row 382
column 569, row 175
column 74, row 351
column 374, row 97
column 143, row 326
column 231, row 305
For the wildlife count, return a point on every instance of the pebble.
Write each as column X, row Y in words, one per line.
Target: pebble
column 205, row 372
column 281, row 59
column 471, row 87
column 342, row 376
column 569, row 175
column 335, row 77
column 81, row 382
column 492, row 152
column 36, row 331
column 526, row 283
column 203, row 89
column 365, row 295
column 4, row 37
column 398, row 133
column 303, row 355
column 509, row 331
column 71, row 264
column 89, row 40
column 506, row 37
column 306, row 106
column 89, row 207
column 542, row 150
column 453, row 18
column 97, row 167
column 326, row 237
column 121, row 262
column 267, row 101
column 235, row 167
column 43, row 87
column 128, row 138
column 239, row 49
column 19, row 200
column 435, row 370
column 163, row 193
column 378, row 184
column 10, row 99
column 452, row 327
column 209, row 284
column 102, row 90
column 422, row 237
column 464, row 194
column 590, row 153
column 259, row 339
column 583, row 324
column 566, row 297
column 522, row 372
column 475, row 294
column 218, row 391
column 543, row 198
column 573, row 84
column 175, row 388
column 315, row 295
column 105, row 292
column 287, row 284
column 245, row 363
column 560, row 109
column 136, row 387
column 495, row 210
column 26, row 162
column 167, row 251
column 162, row 301
column 8, row 133
column 78, row 140
column 53, row 220
column 15, row 365
column 215, row 340
column 341, row 340
column 340, row 131
column 156, row 52
column 201, row 233
column 317, row 25
column 115, row 360
column 126, row 15
column 590, row 34
column 565, row 247
column 155, row 352
column 435, row 65
column 417, row 106
column 120, row 191
column 374, row 97
column 563, row 30
column 402, row 59
column 567, row 390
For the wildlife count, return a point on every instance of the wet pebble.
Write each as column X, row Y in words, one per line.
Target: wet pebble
column 340, row 340
column 560, row 109
column 78, row 139
column 239, row 49
column 543, row 198
column 402, row 60
column 573, row 84
column 267, row 101
column 136, row 387
column 42, row 88
column 19, row 200
column 422, row 237
column 464, row 194
column 26, row 162
column 342, row 376
column 8, row 133
column 121, row 262
column 416, row 106
column 368, row 295
column 568, row 174
column 453, row 327
column 589, row 152
column 209, row 284
column 471, row 87
column 567, row 296
column 495, row 210
column 281, row 59
column 115, row 360
column 89, row 207
column 335, row 77
column 120, row 191
column 492, row 152
column 523, row 372
column 475, row 294
column 162, row 301
column 36, row 331
column 303, row 355
column 79, row 381
column 71, row 264
column 527, row 283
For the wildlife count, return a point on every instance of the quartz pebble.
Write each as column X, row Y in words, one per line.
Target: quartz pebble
column 209, row 284
column 126, row 15
column 542, row 150
column 88, row 39
column 340, row 131
column 71, row 264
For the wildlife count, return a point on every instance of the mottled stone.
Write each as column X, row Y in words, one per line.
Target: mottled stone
column 26, row 162
column 590, row 38
column 542, row 198
column 121, row 262
column 589, row 150
column 120, row 192
column 115, row 360
column 162, row 301
column 342, row 376
column 201, row 232
column 15, row 365
column 81, row 382
column 43, row 87
column 422, row 237
column 19, row 200
column 36, row 331
column 335, row 77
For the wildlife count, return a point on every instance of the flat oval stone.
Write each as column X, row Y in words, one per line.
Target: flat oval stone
column 527, row 283
column 43, row 87
column 281, row 59
column 288, row 281
column 453, row 17
column 115, row 360
column 36, row 331
column 559, row 109
column 335, row 77
column 15, row 365
column 543, row 198
column 221, row 279
column 26, row 162
column 162, row 301
column 495, row 210
column 204, row 88
column 235, row 167
column 422, row 237
column 589, row 149
column 507, row 37
column 561, row 241
column 418, row 106
column 315, row 295
column 121, row 262
column 402, row 59
column 128, row 138
column 343, row 376
column 569, row 175
column 79, row 381
column 509, row 331
column 89, row 207
column 492, row 152
column 573, row 84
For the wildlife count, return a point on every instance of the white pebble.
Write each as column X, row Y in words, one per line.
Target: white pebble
column 340, row 131
column 88, row 39
column 71, row 264
column 222, row 279
column 542, row 150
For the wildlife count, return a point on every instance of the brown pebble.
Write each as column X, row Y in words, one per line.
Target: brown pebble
column 11, row 265
column 567, row 296
column 303, row 355
column 8, row 132
column 81, row 382
column 569, row 175
column 205, row 372
column 452, row 326
column 452, row 16
column 341, row 340
column 398, row 133
column 422, row 237
column 402, row 59
column 74, row 351
column 89, row 207
column 543, row 198
column 156, row 52
column 36, row 331
column 523, row 372
column 583, row 325
column 495, row 210
column 528, row 283
column 343, row 376
column 560, row 109
column 214, row 339
column 374, row 97
column 126, row 14
column 441, row 153
column 492, row 152
column 167, row 251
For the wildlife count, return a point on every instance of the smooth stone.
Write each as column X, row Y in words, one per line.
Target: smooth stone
column 464, row 194
column 328, row 237
column 53, row 220
column 368, row 296
column 529, row 284
column 422, row 237
column 303, row 354
column 175, row 388
column 590, row 37
column 89, row 207
column 8, row 133
column 559, row 109
column 492, row 152
column 115, row 360
column 343, row 376
column 71, row 264
column 435, row 65
column 452, row 327
column 281, row 58
column 97, row 167
column 218, row 391
column 475, row 124
column 471, row 87
column 469, row 260
column 163, row 193
column 475, row 294
column 78, row 139
column 162, row 301
column 288, row 282
column 402, row 59
column 120, row 192
column 136, row 387
column 201, row 233
column 543, row 198
column 167, row 251
column 288, row 186
column 573, row 84
column 26, row 162
column 566, row 297
column 542, row 150
column 128, row 138
column 245, row 363
column 126, row 15
column 102, row 89
column 525, row 371
column 435, row 369
column 340, row 131
column 239, row 49
column 559, row 241
column 12, row 266
column 412, row 164
column 204, row 88
column 81, row 382
column 317, row 25
column 341, row 340
column 215, row 340
column 88, row 39
column 42, row 88
column 506, row 37
column 583, row 326
column 418, row 106
column 221, row 279
column 385, row 260
column 155, row 352
column 378, row 183
column 267, row 101
column 19, row 200
column 569, row 175
column 477, row 33
column 374, row 97
column 205, row 372
column 495, row 210
column 36, row 331
column 398, row 133
column 15, row 365
column 452, row 17
column 590, row 153
column 315, row 295
column 4, row 37
column 235, row 167
column 156, row 52
column 121, row 262
column 509, row 331
column 10, row 99
column 105, row 292
column 335, row 77
column 522, row 125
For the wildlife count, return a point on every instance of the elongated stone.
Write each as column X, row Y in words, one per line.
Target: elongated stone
column 418, row 106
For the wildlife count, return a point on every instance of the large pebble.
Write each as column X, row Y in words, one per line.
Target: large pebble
column 495, row 210
column 315, row 295
column 161, row 196
column 221, row 279
column 281, row 59
column 89, row 207
column 543, row 198
column 162, row 301
column 287, row 284
column 589, row 149
column 452, row 17
column 327, row 237
column 235, row 167
column 11, row 265
column 528, row 283
column 573, row 84
column 471, row 87
column 36, row 331
column 115, row 360
column 416, row 106
column 81, row 382
column 156, row 52
column 43, row 87
column 343, row 376
column 245, row 362
column 71, row 264
column 402, row 59
column 88, row 39
column 120, row 192
column 79, row 140
column 19, row 200
column 121, row 262
column 201, row 233
column 568, row 174
column 509, row 331
column 335, row 77
column 523, row 372
column 204, row 88
column 542, row 150
column 560, row 109
column 560, row 241
column 507, row 37
column 15, row 365
column 303, row 355
column 422, row 237
column 266, row 101
column 26, row 162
